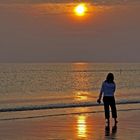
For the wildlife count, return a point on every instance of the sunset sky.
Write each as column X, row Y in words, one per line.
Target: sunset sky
column 51, row 31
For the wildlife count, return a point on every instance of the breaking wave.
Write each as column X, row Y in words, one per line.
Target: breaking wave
column 62, row 105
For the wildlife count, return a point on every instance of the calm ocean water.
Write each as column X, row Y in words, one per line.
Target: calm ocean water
column 43, row 86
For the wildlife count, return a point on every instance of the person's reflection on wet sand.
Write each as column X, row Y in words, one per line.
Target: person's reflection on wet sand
column 114, row 131
column 111, row 134
column 107, row 130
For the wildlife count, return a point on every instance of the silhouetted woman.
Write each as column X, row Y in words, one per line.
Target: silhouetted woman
column 108, row 89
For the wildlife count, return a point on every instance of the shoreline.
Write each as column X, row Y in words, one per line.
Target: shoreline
column 84, row 126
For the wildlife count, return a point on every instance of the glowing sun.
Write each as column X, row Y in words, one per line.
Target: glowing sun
column 80, row 10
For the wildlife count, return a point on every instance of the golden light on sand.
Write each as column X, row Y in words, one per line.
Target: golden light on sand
column 81, row 126
column 80, row 9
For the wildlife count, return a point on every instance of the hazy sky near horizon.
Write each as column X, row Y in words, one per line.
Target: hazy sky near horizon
column 45, row 31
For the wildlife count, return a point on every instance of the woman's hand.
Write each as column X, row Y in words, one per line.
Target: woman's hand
column 98, row 101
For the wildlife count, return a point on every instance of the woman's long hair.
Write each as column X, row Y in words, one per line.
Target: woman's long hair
column 110, row 78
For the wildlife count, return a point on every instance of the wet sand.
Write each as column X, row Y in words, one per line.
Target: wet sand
column 86, row 126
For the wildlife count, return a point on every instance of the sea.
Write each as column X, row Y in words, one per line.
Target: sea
column 32, row 90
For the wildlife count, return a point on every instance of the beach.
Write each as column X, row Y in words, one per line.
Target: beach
column 72, row 126
column 58, row 102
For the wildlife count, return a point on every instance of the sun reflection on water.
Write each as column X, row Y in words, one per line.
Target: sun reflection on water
column 81, row 81
column 81, row 95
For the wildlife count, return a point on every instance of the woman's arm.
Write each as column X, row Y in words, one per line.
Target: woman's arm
column 99, row 99
column 100, row 95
